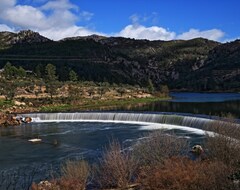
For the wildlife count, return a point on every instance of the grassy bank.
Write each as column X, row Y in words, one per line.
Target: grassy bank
column 90, row 104
column 65, row 105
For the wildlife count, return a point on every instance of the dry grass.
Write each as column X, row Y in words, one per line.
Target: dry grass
column 76, row 169
column 117, row 168
column 75, row 176
column 225, row 145
column 158, row 146
column 185, row 174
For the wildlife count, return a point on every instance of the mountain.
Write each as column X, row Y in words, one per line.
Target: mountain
column 191, row 65
column 221, row 70
column 7, row 39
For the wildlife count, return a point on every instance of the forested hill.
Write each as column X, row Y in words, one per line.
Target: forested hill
column 192, row 65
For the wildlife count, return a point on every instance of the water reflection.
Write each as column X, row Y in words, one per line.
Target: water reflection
column 213, row 108
column 220, row 106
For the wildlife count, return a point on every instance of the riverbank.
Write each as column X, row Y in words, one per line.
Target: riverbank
column 10, row 109
column 30, row 105
column 94, row 105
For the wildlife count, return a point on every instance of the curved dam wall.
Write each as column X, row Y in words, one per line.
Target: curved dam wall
column 171, row 119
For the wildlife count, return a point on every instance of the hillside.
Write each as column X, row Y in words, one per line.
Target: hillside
column 193, row 65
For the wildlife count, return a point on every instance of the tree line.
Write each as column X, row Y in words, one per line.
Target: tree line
column 12, row 77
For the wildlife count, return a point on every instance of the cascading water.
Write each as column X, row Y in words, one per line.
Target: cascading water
column 160, row 118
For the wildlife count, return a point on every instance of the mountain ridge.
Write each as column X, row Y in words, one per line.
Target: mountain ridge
column 25, row 36
column 193, row 65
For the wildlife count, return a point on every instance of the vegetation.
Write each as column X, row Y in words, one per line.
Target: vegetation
column 75, row 176
column 150, row 86
column 165, row 146
column 98, row 104
column 73, row 76
column 116, row 168
column 44, row 92
column 8, row 84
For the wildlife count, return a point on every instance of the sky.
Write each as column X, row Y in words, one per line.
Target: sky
column 217, row 20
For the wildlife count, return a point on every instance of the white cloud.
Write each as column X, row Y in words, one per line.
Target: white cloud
column 213, row 34
column 86, row 16
column 230, row 39
column 134, row 19
column 147, row 18
column 4, row 27
column 25, row 17
column 7, row 3
column 55, row 34
column 59, row 5
column 137, row 30
column 150, row 33
column 57, row 19
column 29, row 17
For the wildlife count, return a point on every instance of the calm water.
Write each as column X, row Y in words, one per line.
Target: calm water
column 216, row 104
column 87, row 140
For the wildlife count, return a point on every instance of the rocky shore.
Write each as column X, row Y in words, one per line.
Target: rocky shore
column 12, row 120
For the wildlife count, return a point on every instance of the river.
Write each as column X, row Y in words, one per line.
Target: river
column 85, row 135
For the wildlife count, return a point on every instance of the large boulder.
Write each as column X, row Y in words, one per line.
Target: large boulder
column 17, row 103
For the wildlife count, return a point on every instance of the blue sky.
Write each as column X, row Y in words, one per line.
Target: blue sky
column 140, row 19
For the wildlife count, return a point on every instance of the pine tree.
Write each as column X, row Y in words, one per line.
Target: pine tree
column 73, row 76
column 150, row 86
column 51, row 79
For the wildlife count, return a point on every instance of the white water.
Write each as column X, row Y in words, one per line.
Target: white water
column 189, row 121
column 148, row 121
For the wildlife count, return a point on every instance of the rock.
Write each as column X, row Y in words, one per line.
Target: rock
column 28, row 120
column 197, row 149
column 46, row 185
column 3, row 119
column 10, row 120
column 17, row 103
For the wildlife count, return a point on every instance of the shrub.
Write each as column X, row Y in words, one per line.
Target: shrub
column 224, row 146
column 74, row 176
column 185, row 174
column 117, row 167
column 158, row 146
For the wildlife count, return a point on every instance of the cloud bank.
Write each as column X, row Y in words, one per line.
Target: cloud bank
column 150, row 33
column 213, row 34
column 57, row 19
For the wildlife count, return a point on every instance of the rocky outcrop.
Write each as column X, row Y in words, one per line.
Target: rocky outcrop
column 93, row 37
column 17, row 103
column 12, row 120
column 8, row 120
column 23, row 37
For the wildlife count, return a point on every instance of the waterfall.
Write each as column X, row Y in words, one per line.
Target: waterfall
column 161, row 118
